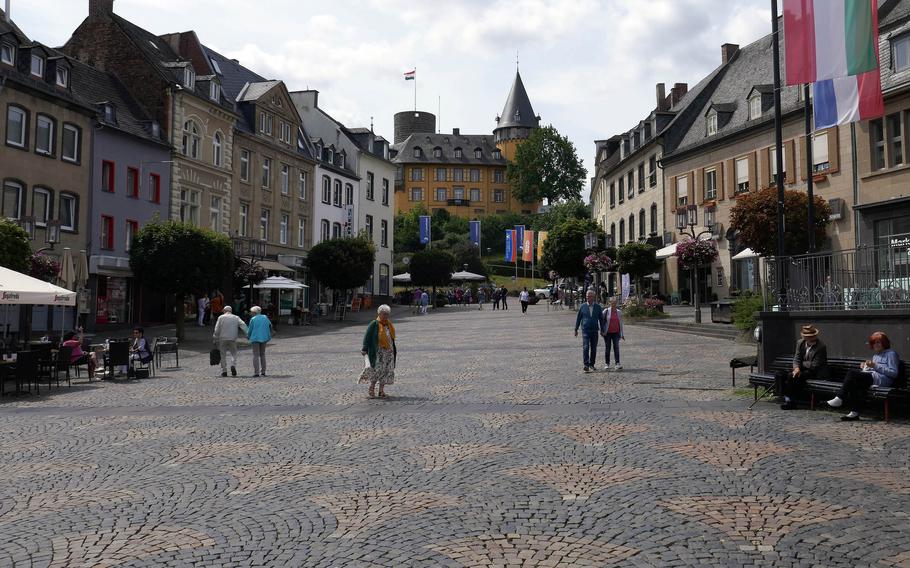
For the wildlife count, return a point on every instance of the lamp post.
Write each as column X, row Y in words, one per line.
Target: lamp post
column 51, row 235
column 688, row 217
column 254, row 249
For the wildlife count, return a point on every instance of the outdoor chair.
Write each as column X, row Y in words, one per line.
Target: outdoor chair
column 166, row 346
column 62, row 364
column 118, row 355
column 27, row 370
column 146, row 363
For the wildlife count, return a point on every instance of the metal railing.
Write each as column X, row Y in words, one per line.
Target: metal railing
column 865, row 278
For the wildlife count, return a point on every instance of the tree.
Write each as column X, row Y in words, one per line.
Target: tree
column 559, row 212
column 466, row 253
column 180, row 259
column 407, row 229
column 564, row 249
column 343, row 264
column 546, row 166
column 247, row 272
column 15, row 250
column 432, row 267
column 754, row 217
column 637, row 260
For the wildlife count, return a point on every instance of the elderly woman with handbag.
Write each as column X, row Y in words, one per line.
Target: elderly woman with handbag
column 379, row 352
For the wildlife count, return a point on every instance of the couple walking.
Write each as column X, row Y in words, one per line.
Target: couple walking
column 594, row 321
column 227, row 330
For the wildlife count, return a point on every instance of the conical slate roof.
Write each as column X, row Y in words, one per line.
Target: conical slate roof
column 518, row 110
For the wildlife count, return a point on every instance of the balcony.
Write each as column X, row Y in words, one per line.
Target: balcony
column 458, row 202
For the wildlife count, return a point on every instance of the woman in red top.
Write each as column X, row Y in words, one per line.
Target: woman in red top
column 79, row 357
column 613, row 325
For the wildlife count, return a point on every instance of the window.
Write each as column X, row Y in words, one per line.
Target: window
column 458, row 153
column 622, row 190
column 475, row 175
column 416, row 174
column 301, row 185
column 107, row 176
column 301, row 232
column 895, row 146
column 323, row 231
column 37, row 66
column 901, row 52
column 682, row 191
column 641, row 225
column 622, row 231
column 820, row 162
column 437, row 152
column 336, row 230
column 132, row 183
column 641, row 177
column 190, row 142
column 326, row 189
column 384, row 233
column 612, row 195
column 16, row 126
column 653, row 219
column 613, row 233
column 742, row 175
column 244, row 165
column 652, row 171
column 418, row 152
column 285, row 179
column 336, row 194
column 154, row 188
column 498, row 196
column 631, row 188
column 772, row 157
column 7, row 53
column 41, row 205
column 264, row 219
column 632, row 227
column 285, row 133
column 344, row 160
column 216, row 149
column 458, row 193
column 755, row 107
column 67, row 212
column 265, row 123
column 44, row 135
column 497, row 154
column 189, row 78
column 348, row 194
column 189, row 207
column 499, row 176
column 385, row 191
column 441, row 194
column 370, row 190
column 475, row 194
column 369, row 227
column 214, row 91
column 712, row 124
column 711, row 184
column 132, row 227
column 12, row 200
column 283, row 228
column 478, row 153
column 440, row 174
column 244, row 228
column 110, row 114
column 106, row 237
column 215, row 214
column 383, row 279
column 458, row 174
column 71, row 143
column 416, row 194
column 266, row 173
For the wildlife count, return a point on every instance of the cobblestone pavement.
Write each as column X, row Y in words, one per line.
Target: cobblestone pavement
column 493, row 450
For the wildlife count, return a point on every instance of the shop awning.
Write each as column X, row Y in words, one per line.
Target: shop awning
column 272, row 266
column 746, row 253
column 667, row 252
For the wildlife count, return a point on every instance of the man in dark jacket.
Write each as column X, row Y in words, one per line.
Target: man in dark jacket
column 809, row 362
column 504, row 297
column 589, row 320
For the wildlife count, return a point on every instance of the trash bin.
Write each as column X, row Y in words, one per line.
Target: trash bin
column 722, row 311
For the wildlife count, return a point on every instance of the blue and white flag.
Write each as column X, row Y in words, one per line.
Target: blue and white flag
column 510, row 245
column 425, row 229
column 520, row 234
column 474, row 231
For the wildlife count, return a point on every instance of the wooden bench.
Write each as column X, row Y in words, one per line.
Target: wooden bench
column 838, row 367
column 739, row 362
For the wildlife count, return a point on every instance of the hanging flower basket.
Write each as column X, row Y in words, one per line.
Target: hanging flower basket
column 598, row 262
column 696, row 253
column 44, row 268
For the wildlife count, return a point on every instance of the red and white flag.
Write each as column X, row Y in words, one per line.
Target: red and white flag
column 410, row 75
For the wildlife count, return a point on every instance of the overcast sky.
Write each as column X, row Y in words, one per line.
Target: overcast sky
column 589, row 66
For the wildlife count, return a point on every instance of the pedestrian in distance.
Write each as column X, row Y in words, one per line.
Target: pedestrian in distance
column 468, row 297
column 613, row 332
column 524, row 297
column 259, row 332
column 202, row 303
column 216, row 306
column 495, row 298
column 881, row 370
column 590, row 320
column 227, row 329
column 424, row 302
column 379, row 347
column 504, row 296
column 481, row 298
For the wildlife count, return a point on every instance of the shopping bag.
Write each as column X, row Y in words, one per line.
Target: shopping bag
column 215, row 356
column 366, row 376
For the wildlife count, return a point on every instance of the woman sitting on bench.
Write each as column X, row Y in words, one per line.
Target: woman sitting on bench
column 880, row 371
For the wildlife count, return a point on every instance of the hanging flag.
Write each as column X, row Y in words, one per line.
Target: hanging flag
column 410, row 75
column 474, row 232
column 527, row 247
column 827, row 39
column 510, row 245
column 520, row 237
column 541, row 239
column 848, row 99
column 425, row 235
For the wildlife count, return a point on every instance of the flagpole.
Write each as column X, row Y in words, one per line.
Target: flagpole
column 810, row 170
column 778, row 134
column 415, row 89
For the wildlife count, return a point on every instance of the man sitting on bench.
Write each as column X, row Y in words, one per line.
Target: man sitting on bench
column 881, row 371
column 809, row 362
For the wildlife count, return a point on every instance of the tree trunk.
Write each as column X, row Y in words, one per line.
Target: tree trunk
column 178, row 299
column 433, row 298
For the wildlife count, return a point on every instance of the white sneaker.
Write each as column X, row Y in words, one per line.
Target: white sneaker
column 608, row 367
column 835, row 402
column 618, row 367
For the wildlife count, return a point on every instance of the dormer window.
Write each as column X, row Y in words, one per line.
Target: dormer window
column 38, row 66
column 343, row 159
column 63, row 77
column 497, row 154
column 755, row 106
column 156, row 129
column 318, row 148
column 478, row 153
column 110, row 114
column 189, row 78
column 418, row 153
column 458, row 153
column 712, row 123
column 437, row 152
column 7, row 53
column 331, row 156
column 900, row 47
column 216, row 67
column 214, row 91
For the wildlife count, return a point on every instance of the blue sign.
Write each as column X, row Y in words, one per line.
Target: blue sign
column 474, row 231
column 520, row 236
column 425, row 229
column 510, row 254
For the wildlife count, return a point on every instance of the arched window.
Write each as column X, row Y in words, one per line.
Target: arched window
column 458, row 153
column 653, row 218
column 336, row 230
column 437, row 152
column 417, row 152
column 641, row 224
column 216, row 149
column 324, row 230
column 190, row 145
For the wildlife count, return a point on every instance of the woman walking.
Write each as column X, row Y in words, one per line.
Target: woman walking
column 259, row 332
column 379, row 346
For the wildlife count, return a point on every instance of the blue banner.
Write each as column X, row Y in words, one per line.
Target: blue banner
column 510, row 254
column 520, row 236
column 474, row 231
column 425, row 229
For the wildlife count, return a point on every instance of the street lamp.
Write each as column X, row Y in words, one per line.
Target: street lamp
column 254, row 249
column 688, row 217
column 51, row 235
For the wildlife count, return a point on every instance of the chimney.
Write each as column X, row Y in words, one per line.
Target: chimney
column 677, row 92
column 100, row 8
column 661, row 96
column 6, row 15
column 727, row 52
column 456, row 132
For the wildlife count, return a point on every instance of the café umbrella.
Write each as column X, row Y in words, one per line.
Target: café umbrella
column 18, row 288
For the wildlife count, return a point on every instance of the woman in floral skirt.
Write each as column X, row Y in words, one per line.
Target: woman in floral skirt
column 379, row 347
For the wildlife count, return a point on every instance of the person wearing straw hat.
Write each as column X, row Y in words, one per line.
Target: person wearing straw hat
column 809, row 362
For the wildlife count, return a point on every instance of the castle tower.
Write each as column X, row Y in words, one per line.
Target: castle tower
column 517, row 120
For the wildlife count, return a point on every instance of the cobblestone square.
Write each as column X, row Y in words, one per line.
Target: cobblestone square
column 493, row 450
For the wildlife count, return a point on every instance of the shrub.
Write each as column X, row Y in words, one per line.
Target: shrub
column 647, row 308
column 744, row 309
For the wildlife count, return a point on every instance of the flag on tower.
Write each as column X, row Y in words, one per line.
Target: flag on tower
column 410, row 75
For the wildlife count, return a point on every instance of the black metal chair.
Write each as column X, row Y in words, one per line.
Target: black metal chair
column 26, row 370
column 166, row 346
column 118, row 355
column 146, row 362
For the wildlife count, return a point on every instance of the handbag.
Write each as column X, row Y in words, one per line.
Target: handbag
column 215, row 356
column 366, row 376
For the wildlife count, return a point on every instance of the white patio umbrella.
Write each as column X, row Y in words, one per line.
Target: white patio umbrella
column 66, row 279
column 82, row 282
column 404, row 278
column 279, row 283
column 465, row 275
column 18, row 288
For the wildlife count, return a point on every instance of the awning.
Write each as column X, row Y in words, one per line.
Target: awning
column 404, row 278
column 667, row 252
column 745, row 254
column 279, row 283
column 272, row 266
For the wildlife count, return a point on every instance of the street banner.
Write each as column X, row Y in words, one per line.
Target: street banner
column 527, row 247
column 510, row 245
column 541, row 239
column 520, row 234
column 626, row 287
column 349, row 222
column 425, row 235
column 474, row 232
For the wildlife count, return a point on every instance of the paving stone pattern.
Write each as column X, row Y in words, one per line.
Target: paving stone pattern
column 493, row 450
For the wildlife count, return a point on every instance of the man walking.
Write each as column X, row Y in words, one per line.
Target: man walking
column 524, row 297
column 589, row 319
column 504, row 296
column 424, row 302
column 227, row 328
